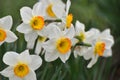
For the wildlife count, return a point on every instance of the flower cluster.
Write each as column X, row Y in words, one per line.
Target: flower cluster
column 49, row 25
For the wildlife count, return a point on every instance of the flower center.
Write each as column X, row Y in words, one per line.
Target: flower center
column 82, row 36
column 42, row 39
column 49, row 11
column 37, row 22
column 99, row 48
column 63, row 45
column 69, row 20
column 2, row 35
column 21, row 70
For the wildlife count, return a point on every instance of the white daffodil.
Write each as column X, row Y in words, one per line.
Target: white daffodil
column 33, row 23
column 21, row 66
column 5, row 34
column 53, row 9
column 59, row 43
column 40, row 42
column 100, row 47
column 83, row 37
column 67, row 18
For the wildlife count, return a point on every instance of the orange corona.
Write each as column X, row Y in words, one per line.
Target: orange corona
column 2, row 35
column 99, row 48
column 37, row 23
column 21, row 70
column 63, row 45
column 69, row 20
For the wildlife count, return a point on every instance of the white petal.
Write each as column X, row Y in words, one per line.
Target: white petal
column 31, row 76
column 53, row 31
column 111, row 38
column 51, row 56
column 64, row 21
column 108, row 43
column 6, row 22
column 42, row 32
column 107, row 53
column 45, row 2
column 70, row 32
column 14, row 78
column 24, row 28
column 30, row 44
column 88, row 53
column 11, row 37
column 74, row 41
column 58, row 2
column 90, row 36
column 10, row 58
column 80, row 50
column 65, row 57
column 38, row 9
column 58, row 11
column 93, row 61
column 36, row 62
column 38, row 47
column 75, row 53
column 68, row 4
column 30, row 38
column 96, row 31
column 25, row 57
column 105, row 33
column 61, row 25
column 79, row 27
column 7, row 72
column 26, row 14
column 49, row 45
column 43, row 52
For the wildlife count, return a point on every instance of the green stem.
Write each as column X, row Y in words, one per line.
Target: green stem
column 83, row 44
column 57, row 20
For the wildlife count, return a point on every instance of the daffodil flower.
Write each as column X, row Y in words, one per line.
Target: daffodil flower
column 53, row 9
column 67, row 18
column 21, row 66
column 33, row 23
column 100, row 47
column 5, row 34
column 82, row 37
column 40, row 42
column 59, row 43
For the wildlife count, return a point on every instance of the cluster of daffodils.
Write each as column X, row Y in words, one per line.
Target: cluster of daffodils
column 49, row 25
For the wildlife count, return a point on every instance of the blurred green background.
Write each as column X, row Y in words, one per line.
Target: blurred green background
column 100, row 14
